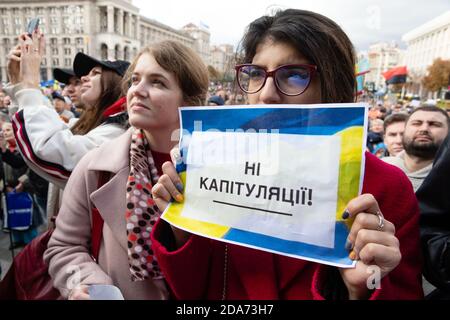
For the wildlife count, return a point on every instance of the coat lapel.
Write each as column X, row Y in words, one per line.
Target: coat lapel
column 113, row 157
column 110, row 202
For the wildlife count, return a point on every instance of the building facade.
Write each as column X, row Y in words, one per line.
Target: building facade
column 152, row 31
column 222, row 59
column 106, row 29
column 425, row 44
column 201, row 38
column 382, row 57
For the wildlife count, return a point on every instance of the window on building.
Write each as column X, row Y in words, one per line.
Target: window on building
column 66, row 40
column 78, row 29
column 53, row 10
column 40, row 10
column 44, row 61
column 126, row 54
column 7, row 45
column 17, row 20
column 79, row 41
column 104, row 51
column 67, row 51
column 103, row 20
column 79, row 20
column 55, row 51
column 67, row 62
column 44, row 74
column 55, row 62
column 53, row 20
column 3, row 11
column 53, row 30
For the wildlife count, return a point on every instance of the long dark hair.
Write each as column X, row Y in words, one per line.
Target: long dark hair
column 318, row 39
column 111, row 91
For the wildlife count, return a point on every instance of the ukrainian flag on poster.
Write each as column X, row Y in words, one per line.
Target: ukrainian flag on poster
column 275, row 177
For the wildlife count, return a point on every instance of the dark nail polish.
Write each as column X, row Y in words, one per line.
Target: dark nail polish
column 345, row 215
column 348, row 245
column 179, row 186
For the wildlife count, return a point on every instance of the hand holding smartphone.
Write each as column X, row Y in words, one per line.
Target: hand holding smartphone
column 33, row 25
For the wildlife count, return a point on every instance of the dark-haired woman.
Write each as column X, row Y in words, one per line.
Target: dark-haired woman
column 300, row 57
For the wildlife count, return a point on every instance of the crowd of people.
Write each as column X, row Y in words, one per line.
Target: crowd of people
column 96, row 157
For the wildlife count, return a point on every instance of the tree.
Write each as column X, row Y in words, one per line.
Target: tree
column 438, row 75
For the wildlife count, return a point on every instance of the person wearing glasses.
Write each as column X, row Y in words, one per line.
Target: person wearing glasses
column 299, row 57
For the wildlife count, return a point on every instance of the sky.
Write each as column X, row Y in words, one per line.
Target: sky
column 365, row 21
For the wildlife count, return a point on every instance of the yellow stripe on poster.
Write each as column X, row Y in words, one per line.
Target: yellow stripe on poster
column 349, row 166
column 173, row 215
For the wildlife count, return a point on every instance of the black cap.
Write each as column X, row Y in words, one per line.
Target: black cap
column 56, row 95
column 63, row 75
column 83, row 64
column 217, row 100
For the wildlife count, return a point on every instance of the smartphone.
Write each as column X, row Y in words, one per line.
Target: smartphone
column 33, row 25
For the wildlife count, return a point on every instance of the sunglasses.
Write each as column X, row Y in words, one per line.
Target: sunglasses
column 290, row 79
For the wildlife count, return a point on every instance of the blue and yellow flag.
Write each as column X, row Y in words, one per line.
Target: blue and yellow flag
column 275, row 178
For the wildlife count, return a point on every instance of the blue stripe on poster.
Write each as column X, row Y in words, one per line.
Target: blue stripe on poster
column 311, row 121
column 337, row 255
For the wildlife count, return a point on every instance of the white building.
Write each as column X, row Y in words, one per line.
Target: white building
column 425, row 44
column 202, row 41
column 428, row 42
column 382, row 57
column 222, row 58
column 106, row 29
column 154, row 31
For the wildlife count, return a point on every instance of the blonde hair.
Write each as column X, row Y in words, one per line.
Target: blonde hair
column 186, row 65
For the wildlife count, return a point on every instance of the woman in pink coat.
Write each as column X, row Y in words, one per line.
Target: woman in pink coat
column 161, row 79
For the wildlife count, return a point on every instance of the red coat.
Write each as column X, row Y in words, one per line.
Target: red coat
column 196, row 270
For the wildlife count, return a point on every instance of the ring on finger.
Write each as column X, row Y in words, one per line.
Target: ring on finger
column 380, row 221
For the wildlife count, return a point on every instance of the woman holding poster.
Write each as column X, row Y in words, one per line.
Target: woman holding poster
column 300, row 57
